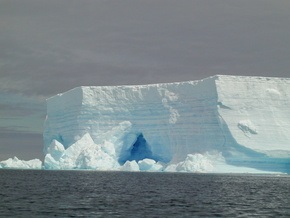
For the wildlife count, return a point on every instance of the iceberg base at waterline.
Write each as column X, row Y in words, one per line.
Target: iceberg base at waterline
column 92, row 157
column 85, row 154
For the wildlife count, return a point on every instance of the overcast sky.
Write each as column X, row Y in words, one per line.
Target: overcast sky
column 48, row 47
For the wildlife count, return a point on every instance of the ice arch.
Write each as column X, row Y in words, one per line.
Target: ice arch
column 139, row 150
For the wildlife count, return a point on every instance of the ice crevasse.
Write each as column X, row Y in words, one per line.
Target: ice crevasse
column 218, row 124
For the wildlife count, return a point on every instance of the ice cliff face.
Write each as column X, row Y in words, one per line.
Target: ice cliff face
column 222, row 122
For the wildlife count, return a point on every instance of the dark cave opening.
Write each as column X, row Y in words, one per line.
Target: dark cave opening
column 139, row 151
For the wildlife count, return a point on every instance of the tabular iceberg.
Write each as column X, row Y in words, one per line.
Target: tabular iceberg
column 219, row 124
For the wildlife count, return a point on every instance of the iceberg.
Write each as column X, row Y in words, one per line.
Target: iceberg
column 15, row 163
column 221, row 124
column 218, row 124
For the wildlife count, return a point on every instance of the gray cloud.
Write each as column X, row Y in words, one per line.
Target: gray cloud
column 48, row 47
column 51, row 46
column 23, row 145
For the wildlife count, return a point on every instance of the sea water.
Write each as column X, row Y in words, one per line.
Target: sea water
column 40, row 193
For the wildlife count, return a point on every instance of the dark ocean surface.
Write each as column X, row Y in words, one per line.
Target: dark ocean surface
column 38, row 193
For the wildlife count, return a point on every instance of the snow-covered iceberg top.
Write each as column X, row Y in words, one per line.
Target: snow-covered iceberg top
column 219, row 124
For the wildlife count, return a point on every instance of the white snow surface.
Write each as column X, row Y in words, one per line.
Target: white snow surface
column 221, row 124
